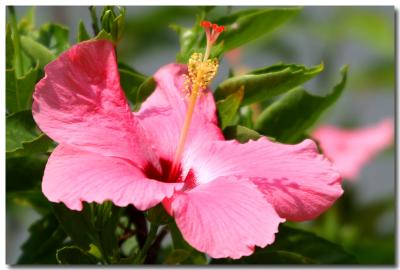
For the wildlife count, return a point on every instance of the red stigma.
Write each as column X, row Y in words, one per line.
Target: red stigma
column 212, row 30
column 205, row 24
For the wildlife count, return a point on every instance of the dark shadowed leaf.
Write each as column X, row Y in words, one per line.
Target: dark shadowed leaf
column 77, row 224
column 267, row 82
column 130, row 81
column 294, row 246
column 194, row 257
column 289, row 118
column 74, row 255
column 144, row 91
column 46, row 236
column 177, row 256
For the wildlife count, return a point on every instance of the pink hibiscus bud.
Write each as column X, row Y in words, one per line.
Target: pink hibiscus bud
column 351, row 149
column 226, row 197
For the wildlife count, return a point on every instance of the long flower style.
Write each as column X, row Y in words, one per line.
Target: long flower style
column 226, row 197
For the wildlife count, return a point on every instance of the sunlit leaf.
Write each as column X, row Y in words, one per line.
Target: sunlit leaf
column 19, row 90
column 55, row 37
column 22, row 135
column 37, row 51
column 267, row 82
column 289, row 118
column 82, row 32
column 228, row 107
column 245, row 26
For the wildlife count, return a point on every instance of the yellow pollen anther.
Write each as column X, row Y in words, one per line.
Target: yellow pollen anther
column 200, row 73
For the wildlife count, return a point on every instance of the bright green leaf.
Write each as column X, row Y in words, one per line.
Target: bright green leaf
column 45, row 238
column 82, row 32
column 289, row 118
column 245, row 26
column 228, row 107
column 37, row 51
column 55, row 37
column 22, row 135
column 190, row 39
column 267, row 82
column 27, row 23
column 74, row 255
column 19, row 90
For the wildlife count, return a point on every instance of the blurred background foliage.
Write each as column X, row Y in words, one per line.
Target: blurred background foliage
column 363, row 219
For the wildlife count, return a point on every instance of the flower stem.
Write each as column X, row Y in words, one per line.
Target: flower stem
column 17, row 43
column 149, row 240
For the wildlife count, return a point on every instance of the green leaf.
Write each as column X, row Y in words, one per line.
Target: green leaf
column 37, row 51
column 27, row 23
column 245, row 26
column 93, row 229
column 177, row 256
column 19, row 90
column 289, row 118
column 22, row 137
column 228, row 107
column 77, row 224
column 45, row 238
column 74, row 255
column 144, row 91
column 195, row 257
column 240, row 133
column 9, row 48
column 267, row 82
column 130, row 82
column 82, row 32
column 294, row 246
column 54, row 37
column 31, row 198
column 190, row 39
column 112, row 24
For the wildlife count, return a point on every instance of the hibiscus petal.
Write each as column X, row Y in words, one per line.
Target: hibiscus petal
column 296, row 179
column 350, row 150
column 80, row 102
column 165, row 110
column 72, row 176
column 227, row 217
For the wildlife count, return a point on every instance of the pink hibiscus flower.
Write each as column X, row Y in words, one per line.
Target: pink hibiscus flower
column 350, row 150
column 226, row 197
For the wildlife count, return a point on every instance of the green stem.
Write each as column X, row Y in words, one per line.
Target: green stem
column 149, row 240
column 95, row 23
column 17, row 43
